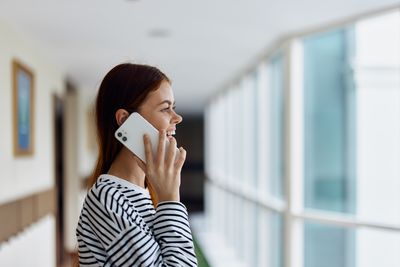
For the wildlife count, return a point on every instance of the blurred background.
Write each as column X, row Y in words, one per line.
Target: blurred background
column 291, row 122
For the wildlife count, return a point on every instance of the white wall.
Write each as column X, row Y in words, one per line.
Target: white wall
column 87, row 146
column 27, row 175
column 79, row 159
column 37, row 243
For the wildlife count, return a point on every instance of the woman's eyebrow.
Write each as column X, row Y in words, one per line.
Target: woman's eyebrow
column 166, row 101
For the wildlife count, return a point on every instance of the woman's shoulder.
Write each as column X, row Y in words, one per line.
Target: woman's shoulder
column 105, row 188
column 109, row 194
column 105, row 182
column 109, row 189
column 109, row 180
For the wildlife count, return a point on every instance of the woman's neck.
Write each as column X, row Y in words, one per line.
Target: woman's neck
column 125, row 166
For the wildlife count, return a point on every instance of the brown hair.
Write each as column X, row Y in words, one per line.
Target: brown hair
column 125, row 86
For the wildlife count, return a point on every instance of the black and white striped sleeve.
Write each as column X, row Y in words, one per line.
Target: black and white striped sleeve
column 127, row 239
column 171, row 230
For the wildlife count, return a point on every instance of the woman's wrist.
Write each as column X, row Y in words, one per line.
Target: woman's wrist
column 165, row 198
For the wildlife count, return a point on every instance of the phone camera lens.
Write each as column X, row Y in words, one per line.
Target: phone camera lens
column 124, row 138
column 119, row 134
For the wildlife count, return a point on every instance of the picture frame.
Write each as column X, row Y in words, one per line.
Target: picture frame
column 23, row 109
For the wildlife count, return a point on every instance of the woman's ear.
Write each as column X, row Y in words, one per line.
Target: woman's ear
column 121, row 115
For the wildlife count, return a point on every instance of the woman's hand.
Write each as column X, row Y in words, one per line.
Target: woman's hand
column 164, row 171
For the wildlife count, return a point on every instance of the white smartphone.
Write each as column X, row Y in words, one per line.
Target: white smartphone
column 131, row 132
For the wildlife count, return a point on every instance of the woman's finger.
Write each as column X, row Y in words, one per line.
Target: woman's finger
column 171, row 153
column 147, row 150
column 161, row 149
column 181, row 159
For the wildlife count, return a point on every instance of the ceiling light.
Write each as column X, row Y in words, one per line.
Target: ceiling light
column 159, row 33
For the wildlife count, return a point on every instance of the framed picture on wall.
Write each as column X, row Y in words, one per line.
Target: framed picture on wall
column 23, row 109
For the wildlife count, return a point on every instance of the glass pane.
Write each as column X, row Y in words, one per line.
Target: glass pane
column 229, row 138
column 276, row 239
column 239, row 231
column 276, row 100
column 249, row 229
column 328, row 246
column 269, row 239
column 237, row 132
column 254, row 136
column 328, row 123
column 249, row 131
column 331, row 246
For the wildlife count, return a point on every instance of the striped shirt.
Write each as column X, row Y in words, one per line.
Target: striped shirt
column 119, row 226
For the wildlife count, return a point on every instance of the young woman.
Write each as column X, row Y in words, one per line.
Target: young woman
column 132, row 214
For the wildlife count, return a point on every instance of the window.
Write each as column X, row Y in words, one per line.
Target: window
column 275, row 103
column 305, row 150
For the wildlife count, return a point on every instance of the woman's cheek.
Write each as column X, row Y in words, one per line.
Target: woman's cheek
column 162, row 125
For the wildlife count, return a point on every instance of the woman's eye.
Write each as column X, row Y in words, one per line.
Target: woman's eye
column 167, row 109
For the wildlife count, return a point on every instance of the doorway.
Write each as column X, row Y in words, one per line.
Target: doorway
column 58, row 119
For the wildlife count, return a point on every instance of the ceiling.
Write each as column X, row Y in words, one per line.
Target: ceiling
column 201, row 45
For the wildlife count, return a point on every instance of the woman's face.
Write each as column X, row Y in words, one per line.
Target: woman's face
column 159, row 109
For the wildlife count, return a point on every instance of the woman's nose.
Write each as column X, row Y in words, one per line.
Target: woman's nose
column 177, row 118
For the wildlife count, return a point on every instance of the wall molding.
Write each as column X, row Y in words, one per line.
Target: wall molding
column 17, row 215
